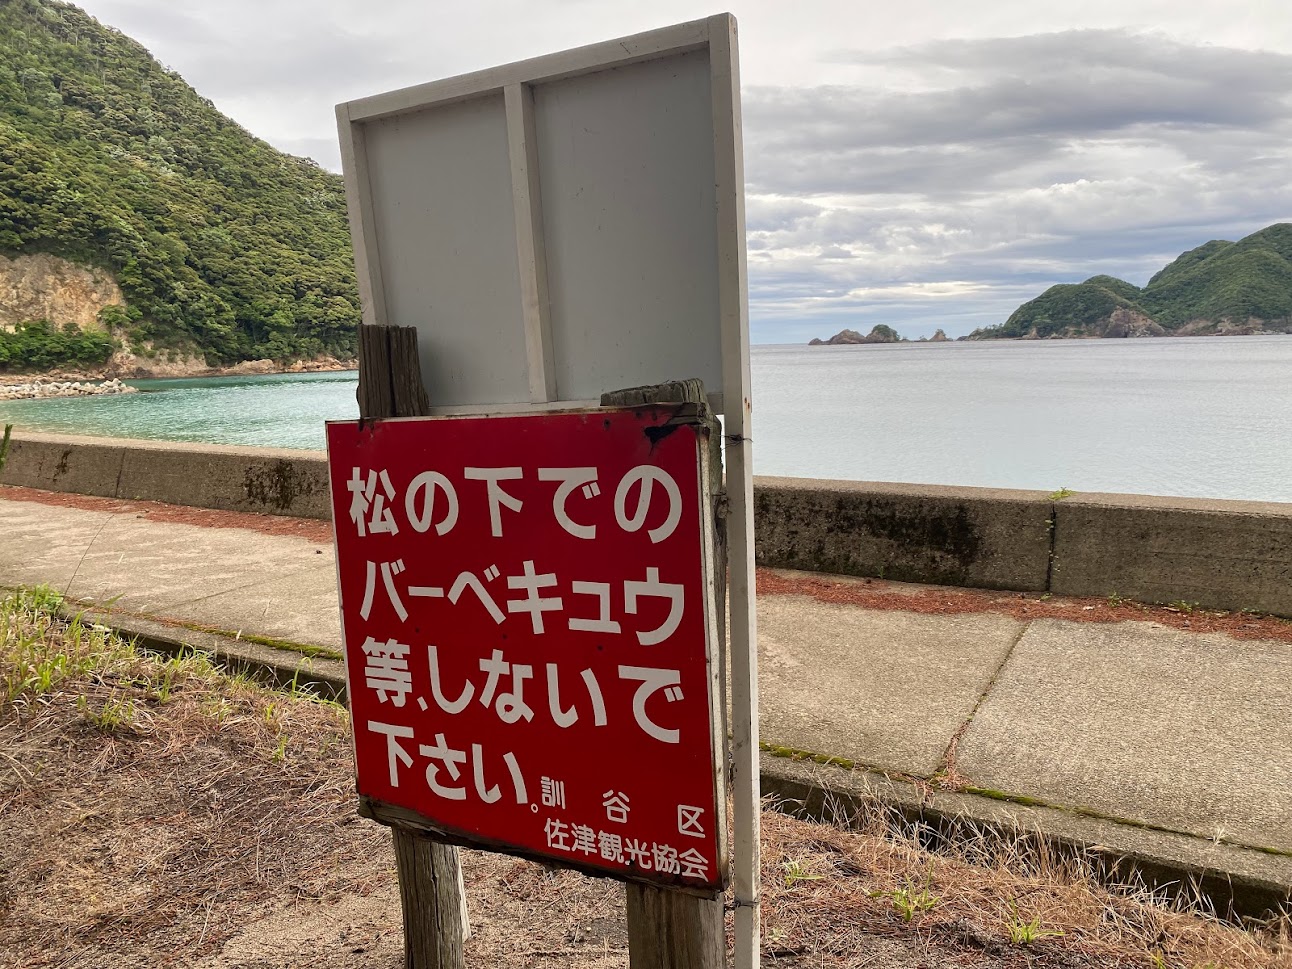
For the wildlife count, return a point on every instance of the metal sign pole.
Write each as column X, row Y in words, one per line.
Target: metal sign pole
column 737, row 395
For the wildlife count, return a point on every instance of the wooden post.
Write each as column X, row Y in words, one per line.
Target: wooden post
column 430, row 874
column 668, row 929
column 672, row 930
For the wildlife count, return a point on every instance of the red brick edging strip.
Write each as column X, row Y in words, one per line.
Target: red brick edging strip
column 943, row 601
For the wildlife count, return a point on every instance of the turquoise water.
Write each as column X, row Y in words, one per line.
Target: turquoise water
column 283, row 410
column 1204, row 417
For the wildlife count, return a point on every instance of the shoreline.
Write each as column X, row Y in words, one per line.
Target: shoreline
column 249, row 368
column 1069, row 337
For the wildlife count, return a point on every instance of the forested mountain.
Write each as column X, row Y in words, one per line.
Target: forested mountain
column 220, row 243
column 1220, row 287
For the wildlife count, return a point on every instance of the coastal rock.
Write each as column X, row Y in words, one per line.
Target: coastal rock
column 1126, row 322
column 161, row 363
column 254, row 367
column 878, row 334
column 844, row 337
column 321, row 364
column 940, row 336
column 1226, row 327
column 38, row 389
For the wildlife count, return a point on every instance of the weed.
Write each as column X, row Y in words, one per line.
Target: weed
column 1061, row 494
column 42, row 598
column 167, row 684
column 1115, row 600
column 40, row 650
column 280, row 752
column 796, row 871
column 217, row 708
column 115, row 714
column 911, row 900
column 1179, row 605
column 1025, row 933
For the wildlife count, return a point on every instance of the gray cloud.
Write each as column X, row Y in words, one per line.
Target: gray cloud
column 968, row 175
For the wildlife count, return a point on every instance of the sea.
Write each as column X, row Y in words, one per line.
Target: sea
column 1206, row 417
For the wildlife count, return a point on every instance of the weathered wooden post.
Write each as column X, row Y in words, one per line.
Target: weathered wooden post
column 430, row 873
column 669, row 929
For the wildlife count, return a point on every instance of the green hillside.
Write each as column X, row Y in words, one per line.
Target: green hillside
column 1219, row 287
column 220, row 242
column 1062, row 308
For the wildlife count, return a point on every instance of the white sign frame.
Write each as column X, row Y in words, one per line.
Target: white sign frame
column 726, row 377
column 377, row 136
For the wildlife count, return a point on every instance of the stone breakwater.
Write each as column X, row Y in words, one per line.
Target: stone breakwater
column 64, row 388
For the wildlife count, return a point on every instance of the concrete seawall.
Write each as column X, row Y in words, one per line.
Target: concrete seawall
column 1215, row 554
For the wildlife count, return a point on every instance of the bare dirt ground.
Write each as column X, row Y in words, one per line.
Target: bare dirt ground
column 160, row 813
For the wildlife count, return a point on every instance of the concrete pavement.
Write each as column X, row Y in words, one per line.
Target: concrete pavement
column 1170, row 743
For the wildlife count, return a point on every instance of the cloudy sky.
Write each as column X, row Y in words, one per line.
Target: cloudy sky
column 929, row 163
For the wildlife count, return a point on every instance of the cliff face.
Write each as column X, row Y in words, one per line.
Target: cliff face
column 44, row 287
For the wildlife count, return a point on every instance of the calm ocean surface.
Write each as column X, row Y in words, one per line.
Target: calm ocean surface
column 1205, row 417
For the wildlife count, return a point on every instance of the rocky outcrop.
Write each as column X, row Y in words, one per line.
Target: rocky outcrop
column 878, row 334
column 39, row 388
column 1231, row 327
column 249, row 367
column 321, row 364
column 160, row 363
column 1126, row 322
column 45, row 287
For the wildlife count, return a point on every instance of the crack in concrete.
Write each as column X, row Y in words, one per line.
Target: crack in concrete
column 1049, row 562
column 948, row 773
column 121, row 469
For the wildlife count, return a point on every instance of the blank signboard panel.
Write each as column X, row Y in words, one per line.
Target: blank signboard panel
column 443, row 219
column 553, row 227
column 629, row 227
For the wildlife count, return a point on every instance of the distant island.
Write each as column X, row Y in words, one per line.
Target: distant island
column 1220, row 288
column 878, row 334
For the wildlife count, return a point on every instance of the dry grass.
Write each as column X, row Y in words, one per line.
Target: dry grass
column 140, row 794
column 161, row 813
column 839, row 887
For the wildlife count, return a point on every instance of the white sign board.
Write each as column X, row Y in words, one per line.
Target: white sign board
column 562, row 226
